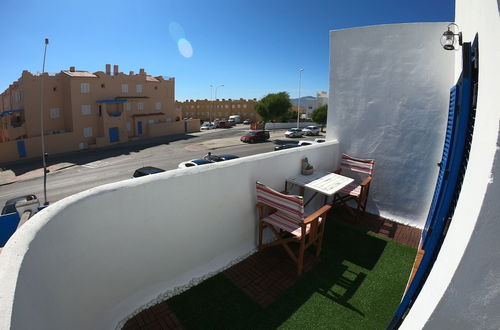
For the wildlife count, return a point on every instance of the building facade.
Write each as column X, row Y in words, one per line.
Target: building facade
column 85, row 110
column 219, row 109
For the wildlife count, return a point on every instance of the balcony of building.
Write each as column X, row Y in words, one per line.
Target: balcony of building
column 178, row 248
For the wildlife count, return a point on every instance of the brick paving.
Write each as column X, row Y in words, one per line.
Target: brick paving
column 266, row 275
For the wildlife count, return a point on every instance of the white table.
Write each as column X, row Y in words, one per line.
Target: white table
column 323, row 182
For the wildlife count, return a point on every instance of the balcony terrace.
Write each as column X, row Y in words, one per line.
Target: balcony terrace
column 178, row 248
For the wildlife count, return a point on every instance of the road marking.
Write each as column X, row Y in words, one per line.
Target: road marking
column 96, row 164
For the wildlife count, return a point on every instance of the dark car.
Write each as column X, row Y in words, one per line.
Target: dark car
column 143, row 171
column 224, row 124
column 220, row 158
column 255, row 136
column 10, row 205
column 286, row 146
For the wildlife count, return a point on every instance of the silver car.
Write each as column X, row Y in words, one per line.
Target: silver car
column 294, row 132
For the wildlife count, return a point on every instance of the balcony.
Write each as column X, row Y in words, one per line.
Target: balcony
column 113, row 251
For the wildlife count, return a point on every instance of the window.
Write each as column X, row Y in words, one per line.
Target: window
column 140, row 106
column 54, row 113
column 151, row 121
column 232, row 106
column 86, row 109
column 126, row 106
column 129, row 126
column 87, row 132
column 244, row 106
column 85, row 87
column 54, row 89
column 168, row 119
column 158, row 105
column 239, row 106
column 138, row 88
column 124, row 88
column 227, row 106
column 102, row 85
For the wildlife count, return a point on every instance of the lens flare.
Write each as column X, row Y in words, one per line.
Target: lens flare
column 185, row 48
column 176, row 31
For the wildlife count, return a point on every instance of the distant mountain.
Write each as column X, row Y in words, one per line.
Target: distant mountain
column 303, row 100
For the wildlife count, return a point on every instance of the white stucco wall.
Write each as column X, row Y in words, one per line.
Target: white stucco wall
column 389, row 92
column 463, row 288
column 92, row 259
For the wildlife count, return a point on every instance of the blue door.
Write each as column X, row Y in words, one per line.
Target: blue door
column 114, row 134
column 21, row 149
column 451, row 171
column 139, row 128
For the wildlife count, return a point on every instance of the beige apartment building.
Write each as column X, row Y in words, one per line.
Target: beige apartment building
column 218, row 109
column 84, row 110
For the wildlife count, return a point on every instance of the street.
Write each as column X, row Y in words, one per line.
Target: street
column 87, row 169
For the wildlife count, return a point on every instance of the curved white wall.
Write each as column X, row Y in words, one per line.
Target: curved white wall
column 389, row 92
column 463, row 288
column 92, row 259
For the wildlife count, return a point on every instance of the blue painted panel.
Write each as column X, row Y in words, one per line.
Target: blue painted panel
column 139, row 128
column 455, row 154
column 114, row 134
column 8, row 225
column 21, row 149
column 438, row 192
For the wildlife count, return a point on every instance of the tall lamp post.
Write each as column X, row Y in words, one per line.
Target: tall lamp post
column 298, row 108
column 211, row 104
column 216, row 91
column 44, row 155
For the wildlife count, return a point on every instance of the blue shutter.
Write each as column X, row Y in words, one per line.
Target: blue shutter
column 438, row 192
column 452, row 170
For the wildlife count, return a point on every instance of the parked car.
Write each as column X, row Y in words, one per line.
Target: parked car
column 224, row 124
column 220, row 158
column 319, row 140
column 231, row 121
column 306, row 143
column 207, row 126
column 247, row 122
column 286, row 146
column 311, row 130
column 147, row 170
column 10, row 205
column 255, row 136
column 294, row 132
column 194, row 162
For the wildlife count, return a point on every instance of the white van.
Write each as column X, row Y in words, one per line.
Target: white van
column 234, row 119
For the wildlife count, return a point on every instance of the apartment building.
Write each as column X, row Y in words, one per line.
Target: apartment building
column 85, row 110
column 221, row 109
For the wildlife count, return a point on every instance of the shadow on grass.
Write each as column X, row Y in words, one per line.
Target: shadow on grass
column 315, row 300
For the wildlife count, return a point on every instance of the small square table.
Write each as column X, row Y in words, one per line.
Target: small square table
column 320, row 181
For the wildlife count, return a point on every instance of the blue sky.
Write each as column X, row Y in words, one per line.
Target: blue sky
column 252, row 47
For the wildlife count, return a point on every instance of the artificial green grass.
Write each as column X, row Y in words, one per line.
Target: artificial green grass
column 357, row 285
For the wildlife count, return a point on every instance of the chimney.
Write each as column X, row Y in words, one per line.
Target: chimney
column 108, row 69
column 72, row 68
column 141, row 71
column 115, row 69
column 131, row 73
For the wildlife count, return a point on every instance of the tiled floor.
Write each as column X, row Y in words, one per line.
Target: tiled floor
column 266, row 275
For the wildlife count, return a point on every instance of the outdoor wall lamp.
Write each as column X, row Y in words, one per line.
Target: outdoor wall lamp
column 451, row 37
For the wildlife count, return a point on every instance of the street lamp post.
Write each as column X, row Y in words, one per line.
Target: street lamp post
column 298, row 108
column 44, row 155
column 216, row 91
column 211, row 104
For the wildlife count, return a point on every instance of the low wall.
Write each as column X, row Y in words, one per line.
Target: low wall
column 161, row 129
column 91, row 260
column 289, row 125
column 193, row 125
column 54, row 144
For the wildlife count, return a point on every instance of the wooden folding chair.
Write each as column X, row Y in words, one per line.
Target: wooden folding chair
column 361, row 171
column 286, row 219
